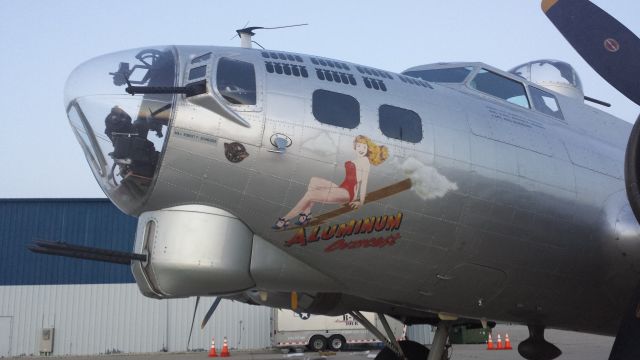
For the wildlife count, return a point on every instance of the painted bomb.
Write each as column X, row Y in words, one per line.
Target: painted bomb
column 339, row 232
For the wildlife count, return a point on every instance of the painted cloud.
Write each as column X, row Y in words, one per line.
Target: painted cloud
column 322, row 144
column 427, row 182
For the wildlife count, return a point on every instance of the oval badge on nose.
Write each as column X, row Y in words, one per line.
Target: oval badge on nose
column 235, row 152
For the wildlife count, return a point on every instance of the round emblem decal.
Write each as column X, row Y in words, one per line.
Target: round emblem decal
column 611, row 45
column 235, row 152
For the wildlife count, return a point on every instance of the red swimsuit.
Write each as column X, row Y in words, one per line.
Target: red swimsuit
column 350, row 179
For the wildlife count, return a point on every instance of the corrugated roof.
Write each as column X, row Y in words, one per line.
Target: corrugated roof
column 88, row 222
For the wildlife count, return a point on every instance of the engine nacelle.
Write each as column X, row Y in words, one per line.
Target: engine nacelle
column 632, row 169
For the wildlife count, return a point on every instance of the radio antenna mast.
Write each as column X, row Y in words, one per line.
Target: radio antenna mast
column 245, row 34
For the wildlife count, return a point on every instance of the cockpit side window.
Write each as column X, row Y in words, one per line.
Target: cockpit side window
column 450, row 75
column 545, row 102
column 500, row 86
column 237, row 81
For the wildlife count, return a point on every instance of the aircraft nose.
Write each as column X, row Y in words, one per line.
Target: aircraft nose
column 122, row 136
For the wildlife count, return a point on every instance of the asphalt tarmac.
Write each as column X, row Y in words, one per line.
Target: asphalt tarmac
column 574, row 346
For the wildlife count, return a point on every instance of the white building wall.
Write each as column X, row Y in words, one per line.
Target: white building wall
column 98, row 319
column 422, row 334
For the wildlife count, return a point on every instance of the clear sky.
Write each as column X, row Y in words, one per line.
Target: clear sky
column 41, row 42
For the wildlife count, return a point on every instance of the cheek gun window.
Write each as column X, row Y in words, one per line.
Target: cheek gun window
column 545, row 103
column 401, row 124
column 237, row 81
column 336, row 109
column 501, row 87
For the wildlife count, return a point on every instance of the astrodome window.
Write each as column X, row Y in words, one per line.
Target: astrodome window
column 399, row 123
column 237, row 81
column 557, row 71
column 554, row 75
column 501, row 87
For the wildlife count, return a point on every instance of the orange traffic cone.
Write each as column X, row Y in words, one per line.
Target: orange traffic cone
column 499, row 347
column 490, row 343
column 212, row 351
column 507, row 342
column 225, row 348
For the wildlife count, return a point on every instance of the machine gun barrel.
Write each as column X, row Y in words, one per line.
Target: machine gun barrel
column 84, row 252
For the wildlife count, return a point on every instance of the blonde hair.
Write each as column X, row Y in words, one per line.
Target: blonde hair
column 377, row 154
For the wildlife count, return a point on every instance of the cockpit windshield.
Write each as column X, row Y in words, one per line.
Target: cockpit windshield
column 122, row 135
column 444, row 75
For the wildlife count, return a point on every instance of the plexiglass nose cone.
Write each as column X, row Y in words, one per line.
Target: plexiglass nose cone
column 122, row 136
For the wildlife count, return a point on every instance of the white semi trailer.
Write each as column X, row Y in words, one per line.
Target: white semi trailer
column 318, row 332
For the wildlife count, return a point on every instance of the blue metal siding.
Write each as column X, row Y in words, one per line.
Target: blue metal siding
column 88, row 222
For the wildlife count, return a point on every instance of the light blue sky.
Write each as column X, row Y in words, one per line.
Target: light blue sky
column 41, row 42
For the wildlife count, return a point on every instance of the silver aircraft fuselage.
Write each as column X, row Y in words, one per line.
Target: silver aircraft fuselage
column 509, row 214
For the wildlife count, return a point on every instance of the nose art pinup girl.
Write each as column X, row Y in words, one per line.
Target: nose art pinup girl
column 324, row 191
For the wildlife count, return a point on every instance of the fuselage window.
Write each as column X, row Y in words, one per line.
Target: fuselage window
column 545, row 102
column 450, row 75
column 330, row 63
column 501, row 87
column 201, row 58
column 197, row 72
column 237, row 81
column 336, row 76
column 413, row 81
column 281, row 56
column 336, row 109
column 379, row 73
column 399, row 123
column 376, row 84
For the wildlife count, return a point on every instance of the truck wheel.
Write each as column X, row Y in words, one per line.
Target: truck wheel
column 337, row 342
column 318, row 343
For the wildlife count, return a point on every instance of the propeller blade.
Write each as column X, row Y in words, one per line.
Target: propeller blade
column 193, row 320
column 210, row 312
column 609, row 47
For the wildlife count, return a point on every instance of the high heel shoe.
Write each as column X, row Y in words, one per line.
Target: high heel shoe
column 303, row 219
column 280, row 224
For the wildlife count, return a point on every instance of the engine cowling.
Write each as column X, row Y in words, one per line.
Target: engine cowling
column 632, row 169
